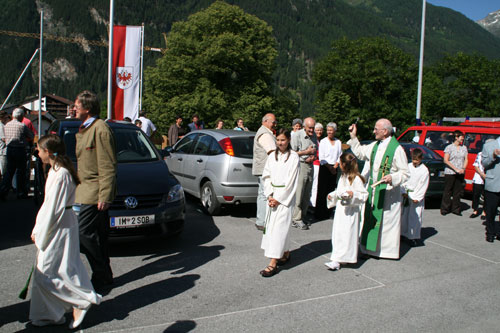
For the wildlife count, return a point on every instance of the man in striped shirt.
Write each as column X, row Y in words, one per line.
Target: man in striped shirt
column 16, row 137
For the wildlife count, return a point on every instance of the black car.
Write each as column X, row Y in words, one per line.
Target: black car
column 434, row 163
column 430, row 159
column 149, row 200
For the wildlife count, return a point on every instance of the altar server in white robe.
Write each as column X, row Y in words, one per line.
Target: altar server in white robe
column 413, row 198
column 349, row 196
column 387, row 241
column 60, row 282
column 280, row 178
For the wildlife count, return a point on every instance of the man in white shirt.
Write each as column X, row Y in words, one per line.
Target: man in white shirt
column 264, row 144
column 147, row 125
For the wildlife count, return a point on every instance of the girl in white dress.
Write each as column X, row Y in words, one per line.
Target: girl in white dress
column 280, row 177
column 60, row 281
column 349, row 198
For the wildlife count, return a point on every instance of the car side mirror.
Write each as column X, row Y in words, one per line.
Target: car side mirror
column 166, row 152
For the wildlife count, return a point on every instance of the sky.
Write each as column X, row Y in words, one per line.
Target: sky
column 473, row 9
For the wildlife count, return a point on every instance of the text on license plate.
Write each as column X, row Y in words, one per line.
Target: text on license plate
column 131, row 221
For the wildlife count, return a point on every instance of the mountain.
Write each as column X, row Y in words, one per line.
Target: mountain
column 304, row 31
column 491, row 23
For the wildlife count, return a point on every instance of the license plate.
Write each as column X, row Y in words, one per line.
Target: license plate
column 131, row 221
column 441, row 174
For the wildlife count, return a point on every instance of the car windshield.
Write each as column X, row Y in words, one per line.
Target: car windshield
column 131, row 145
column 243, row 146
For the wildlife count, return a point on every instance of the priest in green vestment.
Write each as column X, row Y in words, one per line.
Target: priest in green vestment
column 381, row 220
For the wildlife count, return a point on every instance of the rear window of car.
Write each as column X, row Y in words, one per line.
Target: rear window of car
column 131, row 145
column 243, row 146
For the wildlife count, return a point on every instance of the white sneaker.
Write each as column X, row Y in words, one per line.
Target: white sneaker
column 332, row 265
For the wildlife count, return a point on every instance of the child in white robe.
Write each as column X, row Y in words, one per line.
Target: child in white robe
column 280, row 177
column 349, row 198
column 60, row 281
column 413, row 198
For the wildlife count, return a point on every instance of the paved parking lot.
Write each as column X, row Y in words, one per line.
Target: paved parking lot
column 208, row 280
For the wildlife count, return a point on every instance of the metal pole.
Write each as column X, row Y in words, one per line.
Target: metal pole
column 110, row 57
column 40, row 77
column 142, row 67
column 19, row 79
column 421, row 65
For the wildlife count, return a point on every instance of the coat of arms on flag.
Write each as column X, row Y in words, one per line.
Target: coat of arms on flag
column 124, row 77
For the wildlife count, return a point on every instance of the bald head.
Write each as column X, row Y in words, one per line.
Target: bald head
column 269, row 121
column 383, row 129
column 309, row 124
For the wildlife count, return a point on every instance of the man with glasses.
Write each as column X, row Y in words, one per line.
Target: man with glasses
column 96, row 158
column 264, row 144
column 388, row 170
column 305, row 143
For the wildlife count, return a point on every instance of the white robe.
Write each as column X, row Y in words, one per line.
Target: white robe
column 60, row 281
column 345, row 229
column 390, row 228
column 280, row 180
column 415, row 187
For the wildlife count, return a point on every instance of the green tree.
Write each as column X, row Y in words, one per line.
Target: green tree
column 367, row 78
column 219, row 64
column 463, row 85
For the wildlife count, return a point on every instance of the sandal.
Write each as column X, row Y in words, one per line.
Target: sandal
column 284, row 260
column 269, row 271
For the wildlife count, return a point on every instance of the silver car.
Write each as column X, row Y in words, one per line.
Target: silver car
column 215, row 166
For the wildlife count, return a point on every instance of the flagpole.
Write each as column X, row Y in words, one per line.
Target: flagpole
column 142, row 67
column 40, row 77
column 421, row 65
column 110, row 56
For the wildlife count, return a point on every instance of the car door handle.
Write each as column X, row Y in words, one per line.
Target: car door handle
column 199, row 160
column 179, row 159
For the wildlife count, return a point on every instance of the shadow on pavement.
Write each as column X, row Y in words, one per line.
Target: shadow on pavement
column 18, row 219
column 119, row 307
column 308, row 252
column 181, row 326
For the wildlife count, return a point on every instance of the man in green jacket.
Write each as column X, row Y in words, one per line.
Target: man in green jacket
column 96, row 158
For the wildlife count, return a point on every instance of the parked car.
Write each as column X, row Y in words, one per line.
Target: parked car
column 438, row 137
column 149, row 200
column 434, row 163
column 430, row 159
column 215, row 166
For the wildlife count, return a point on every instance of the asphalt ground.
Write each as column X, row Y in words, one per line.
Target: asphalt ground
column 208, row 280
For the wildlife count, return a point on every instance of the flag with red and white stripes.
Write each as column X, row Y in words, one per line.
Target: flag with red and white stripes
column 126, row 71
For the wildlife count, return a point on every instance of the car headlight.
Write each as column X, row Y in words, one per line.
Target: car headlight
column 176, row 193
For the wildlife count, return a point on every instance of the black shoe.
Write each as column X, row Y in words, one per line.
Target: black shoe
column 444, row 213
column 413, row 242
column 458, row 214
column 498, row 237
column 483, row 217
column 474, row 215
column 490, row 239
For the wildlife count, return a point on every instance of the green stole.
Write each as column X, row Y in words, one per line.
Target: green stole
column 374, row 207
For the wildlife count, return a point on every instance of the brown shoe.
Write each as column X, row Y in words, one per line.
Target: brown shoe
column 269, row 271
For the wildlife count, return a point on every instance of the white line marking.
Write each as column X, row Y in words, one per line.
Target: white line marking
column 463, row 252
column 255, row 309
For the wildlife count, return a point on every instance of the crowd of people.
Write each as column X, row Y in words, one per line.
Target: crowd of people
column 371, row 209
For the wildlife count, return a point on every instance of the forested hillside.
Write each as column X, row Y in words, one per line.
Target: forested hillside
column 304, row 31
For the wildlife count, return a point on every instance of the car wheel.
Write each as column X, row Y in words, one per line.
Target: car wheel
column 209, row 200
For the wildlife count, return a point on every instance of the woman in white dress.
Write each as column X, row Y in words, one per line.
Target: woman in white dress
column 60, row 282
column 280, row 178
column 349, row 198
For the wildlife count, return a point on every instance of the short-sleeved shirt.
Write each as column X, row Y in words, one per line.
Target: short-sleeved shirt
column 457, row 158
column 301, row 141
column 147, row 126
column 477, row 179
